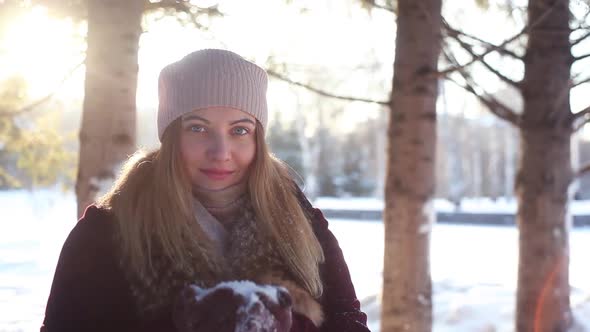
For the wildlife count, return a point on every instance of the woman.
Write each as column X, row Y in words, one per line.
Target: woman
column 166, row 248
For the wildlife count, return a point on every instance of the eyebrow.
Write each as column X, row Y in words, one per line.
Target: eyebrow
column 243, row 120
column 196, row 117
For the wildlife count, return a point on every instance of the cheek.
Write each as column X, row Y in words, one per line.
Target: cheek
column 189, row 152
column 246, row 153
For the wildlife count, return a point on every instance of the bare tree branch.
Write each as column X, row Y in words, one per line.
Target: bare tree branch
column 496, row 72
column 323, row 92
column 581, row 118
column 44, row 99
column 581, row 57
column 171, row 4
column 179, row 5
column 372, row 3
column 457, row 67
column 480, row 57
column 578, row 83
column 502, row 50
column 498, row 48
column 581, row 39
column 495, row 106
column 184, row 6
column 583, row 171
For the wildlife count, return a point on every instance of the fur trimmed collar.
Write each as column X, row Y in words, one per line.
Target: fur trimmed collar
column 247, row 254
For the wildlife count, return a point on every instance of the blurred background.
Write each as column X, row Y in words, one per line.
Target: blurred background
column 331, row 66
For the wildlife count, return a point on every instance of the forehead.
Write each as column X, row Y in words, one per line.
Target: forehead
column 215, row 114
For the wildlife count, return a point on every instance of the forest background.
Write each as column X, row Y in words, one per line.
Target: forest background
column 337, row 146
column 488, row 100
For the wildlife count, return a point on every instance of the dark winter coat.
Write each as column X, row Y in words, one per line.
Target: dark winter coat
column 90, row 291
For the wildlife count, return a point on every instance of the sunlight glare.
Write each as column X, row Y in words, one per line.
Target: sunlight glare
column 42, row 49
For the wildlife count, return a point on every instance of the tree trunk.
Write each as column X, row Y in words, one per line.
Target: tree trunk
column 107, row 134
column 410, row 179
column 545, row 172
column 509, row 162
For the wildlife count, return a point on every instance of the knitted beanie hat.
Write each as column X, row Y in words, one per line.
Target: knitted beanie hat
column 211, row 78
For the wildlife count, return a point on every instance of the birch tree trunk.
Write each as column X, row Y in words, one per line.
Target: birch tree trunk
column 107, row 134
column 410, row 179
column 545, row 172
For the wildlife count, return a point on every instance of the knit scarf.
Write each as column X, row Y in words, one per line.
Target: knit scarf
column 245, row 251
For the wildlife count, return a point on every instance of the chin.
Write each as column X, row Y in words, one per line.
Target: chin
column 220, row 185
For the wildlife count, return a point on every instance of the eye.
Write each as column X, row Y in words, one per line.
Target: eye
column 196, row 128
column 240, row 131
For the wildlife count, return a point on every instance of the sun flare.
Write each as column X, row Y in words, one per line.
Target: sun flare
column 41, row 49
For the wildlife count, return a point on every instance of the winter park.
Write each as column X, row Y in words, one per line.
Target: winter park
column 303, row 166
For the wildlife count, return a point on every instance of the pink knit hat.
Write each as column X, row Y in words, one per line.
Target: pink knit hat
column 210, row 78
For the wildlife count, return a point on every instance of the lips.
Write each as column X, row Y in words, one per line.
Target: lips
column 217, row 174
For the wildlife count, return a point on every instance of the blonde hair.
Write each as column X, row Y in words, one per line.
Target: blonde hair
column 278, row 210
column 152, row 203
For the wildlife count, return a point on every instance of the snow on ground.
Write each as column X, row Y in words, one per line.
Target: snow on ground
column 473, row 272
column 33, row 227
column 473, row 267
column 468, row 205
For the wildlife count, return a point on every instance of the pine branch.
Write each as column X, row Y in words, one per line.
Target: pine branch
column 495, row 106
column 323, row 92
column 29, row 107
column 44, row 99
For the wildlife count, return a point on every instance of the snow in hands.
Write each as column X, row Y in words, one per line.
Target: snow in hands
column 263, row 308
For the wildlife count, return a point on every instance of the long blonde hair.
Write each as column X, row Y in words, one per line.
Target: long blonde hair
column 152, row 203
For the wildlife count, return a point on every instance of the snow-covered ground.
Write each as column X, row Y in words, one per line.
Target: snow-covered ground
column 467, row 205
column 473, row 267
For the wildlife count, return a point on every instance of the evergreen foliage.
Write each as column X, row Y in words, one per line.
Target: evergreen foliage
column 34, row 151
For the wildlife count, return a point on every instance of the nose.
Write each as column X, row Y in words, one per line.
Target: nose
column 219, row 148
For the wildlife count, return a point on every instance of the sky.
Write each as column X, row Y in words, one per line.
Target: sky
column 44, row 49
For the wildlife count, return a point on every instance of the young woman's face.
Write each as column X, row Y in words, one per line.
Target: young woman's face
column 217, row 146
